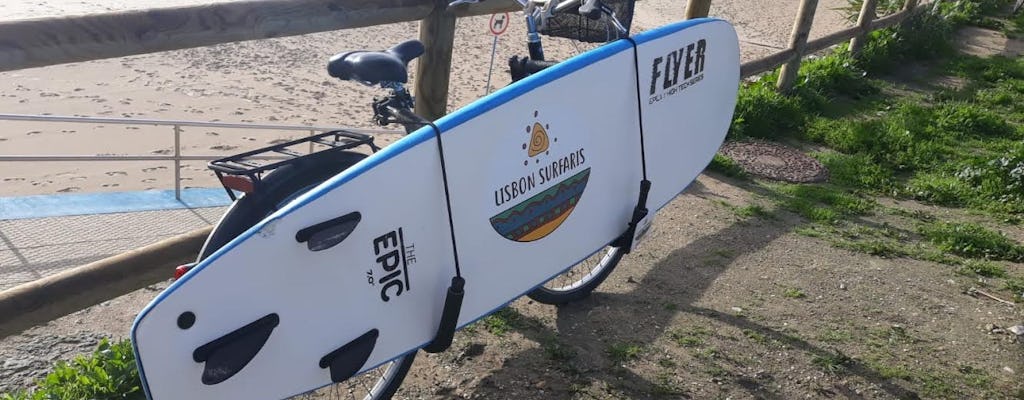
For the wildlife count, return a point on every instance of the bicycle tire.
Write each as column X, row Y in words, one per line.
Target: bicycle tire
column 277, row 189
column 556, row 292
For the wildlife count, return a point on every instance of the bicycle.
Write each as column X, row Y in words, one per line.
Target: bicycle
column 269, row 187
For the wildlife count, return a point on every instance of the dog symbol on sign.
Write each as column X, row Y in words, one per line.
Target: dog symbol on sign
column 499, row 23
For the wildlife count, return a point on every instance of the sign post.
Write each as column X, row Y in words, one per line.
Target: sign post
column 498, row 25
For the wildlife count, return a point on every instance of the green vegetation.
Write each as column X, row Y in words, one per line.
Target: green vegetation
column 832, row 362
column 108, row 373
column 982, row 268
column 621, row 353
column 726, row 166
column 691, row 337
column 794, row 293
column 974, row 241
column 502, row 321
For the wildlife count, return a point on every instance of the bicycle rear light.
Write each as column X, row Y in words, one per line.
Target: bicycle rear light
column 181, row 270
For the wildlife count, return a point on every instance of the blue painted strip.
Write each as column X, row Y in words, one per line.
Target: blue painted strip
column 61, row 205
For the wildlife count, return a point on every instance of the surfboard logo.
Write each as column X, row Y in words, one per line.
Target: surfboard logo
column 554, row 187
column 678, row 70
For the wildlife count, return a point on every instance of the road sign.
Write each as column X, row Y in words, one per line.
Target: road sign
column 499, row 23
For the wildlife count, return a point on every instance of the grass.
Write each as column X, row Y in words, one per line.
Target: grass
column 973, row 241
column 836, row 335
column 726, row 166
column 820, row 203
column 502, row 321
column 981, row 268
column 108, row 373
column 832, row 362
column 692, row 337
column 621, row 353
column 794, row 293
column 555, row 350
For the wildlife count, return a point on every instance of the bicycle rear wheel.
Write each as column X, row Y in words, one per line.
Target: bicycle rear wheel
column 578, row 281
column 277, row 189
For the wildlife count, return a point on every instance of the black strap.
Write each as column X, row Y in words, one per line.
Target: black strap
column 625, row 241
column 447, row 197
column 639, row 106
column 453, row 299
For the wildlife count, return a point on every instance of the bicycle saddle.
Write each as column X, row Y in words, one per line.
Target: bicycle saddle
column 374, row 67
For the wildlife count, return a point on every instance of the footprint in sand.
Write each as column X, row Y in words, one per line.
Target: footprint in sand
column 223, row 147
column 161, row 151
column 69, row 189
column 151, row 169
column 212, row 134
column 110, row 185
column 3, row 139
column 277, row 141
column 41, row 183
column 30, row 133
column 116, row 173
column 149, row 180
column 13, row 179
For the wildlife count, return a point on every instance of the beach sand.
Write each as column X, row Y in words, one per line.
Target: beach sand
column 272, row 81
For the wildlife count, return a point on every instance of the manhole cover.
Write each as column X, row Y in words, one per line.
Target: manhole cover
column 775, row 161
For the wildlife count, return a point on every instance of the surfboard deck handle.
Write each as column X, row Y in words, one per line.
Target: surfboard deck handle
column 625, row 241
column 449, row 317
column 348, row 359
column 330, row 233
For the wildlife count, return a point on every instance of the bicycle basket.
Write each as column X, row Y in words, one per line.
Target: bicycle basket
column 577, row 27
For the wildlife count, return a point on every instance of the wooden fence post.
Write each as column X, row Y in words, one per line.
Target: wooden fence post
column 797, row 43
column 867, row 14
column 697, row 8
column 437, row 32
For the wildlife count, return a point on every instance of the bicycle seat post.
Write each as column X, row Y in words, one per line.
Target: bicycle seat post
column 533, row 39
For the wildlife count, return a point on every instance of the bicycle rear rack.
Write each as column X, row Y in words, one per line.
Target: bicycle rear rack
column 244, row 171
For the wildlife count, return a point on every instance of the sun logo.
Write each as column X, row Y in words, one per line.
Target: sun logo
column 539, row 140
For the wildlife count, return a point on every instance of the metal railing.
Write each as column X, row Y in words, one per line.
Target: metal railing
column 176, row 126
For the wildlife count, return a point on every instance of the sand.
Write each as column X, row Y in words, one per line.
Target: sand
column 274, row 81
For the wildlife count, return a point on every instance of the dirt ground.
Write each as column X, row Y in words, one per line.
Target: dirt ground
column 712, row 305
column 703, row 309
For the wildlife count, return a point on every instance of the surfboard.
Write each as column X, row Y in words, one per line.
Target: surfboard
column 540, row 175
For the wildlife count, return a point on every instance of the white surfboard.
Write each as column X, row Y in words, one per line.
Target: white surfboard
column 541, row 174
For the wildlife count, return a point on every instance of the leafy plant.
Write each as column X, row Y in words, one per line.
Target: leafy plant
column 109, row 373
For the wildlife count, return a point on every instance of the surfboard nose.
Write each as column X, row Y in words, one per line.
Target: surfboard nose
column 227, row 355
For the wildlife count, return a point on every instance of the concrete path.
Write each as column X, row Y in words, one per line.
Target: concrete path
column 33, row 248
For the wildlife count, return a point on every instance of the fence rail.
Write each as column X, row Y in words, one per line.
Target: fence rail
column 176, row 130
column 62, row 40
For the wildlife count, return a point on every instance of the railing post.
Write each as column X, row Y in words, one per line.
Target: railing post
column 697, row 8
column 797, row 43
column 867, row 14
column 437, row 32
column 177, row 162
column 312, row 132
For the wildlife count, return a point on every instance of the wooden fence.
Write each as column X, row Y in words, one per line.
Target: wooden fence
column 51, row 41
